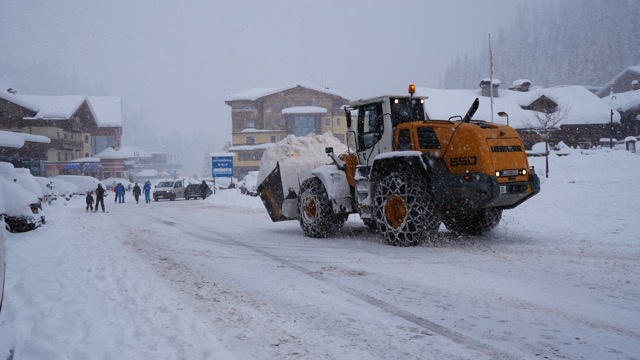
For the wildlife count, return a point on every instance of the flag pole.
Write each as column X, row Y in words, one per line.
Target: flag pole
column 491, row 75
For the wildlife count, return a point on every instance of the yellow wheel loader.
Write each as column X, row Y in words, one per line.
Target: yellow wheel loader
column 405, row 174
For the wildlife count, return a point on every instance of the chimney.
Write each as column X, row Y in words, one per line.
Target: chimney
column 522, row 85
column 485, row 86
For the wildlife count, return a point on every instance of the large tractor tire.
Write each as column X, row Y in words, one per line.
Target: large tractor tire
column 316, row 213
column 404, row 210
column 479, row 223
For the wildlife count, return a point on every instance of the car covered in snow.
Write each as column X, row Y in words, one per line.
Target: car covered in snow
column 83, row 183
column 2, row 251
column 20, row 213
column 63, row 189
column 169, row 189
column 22, row 203
column 248, row 184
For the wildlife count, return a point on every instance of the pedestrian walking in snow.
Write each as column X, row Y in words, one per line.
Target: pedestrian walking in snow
column 147, row 191
column 120, row 190
column 89, row 201
column 136, row 192
column 204, row 189
column 99, row 197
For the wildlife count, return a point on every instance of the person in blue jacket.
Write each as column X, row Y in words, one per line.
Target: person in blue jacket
column 120, row 193
column 147, row 191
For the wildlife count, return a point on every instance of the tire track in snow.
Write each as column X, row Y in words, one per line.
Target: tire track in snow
column 427, row 324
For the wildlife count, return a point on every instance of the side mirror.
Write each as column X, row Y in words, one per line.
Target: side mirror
column 347, row 113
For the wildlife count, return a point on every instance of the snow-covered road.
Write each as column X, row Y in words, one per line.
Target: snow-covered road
column 216, row 279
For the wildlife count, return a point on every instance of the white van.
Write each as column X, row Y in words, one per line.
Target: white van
column 169, row 189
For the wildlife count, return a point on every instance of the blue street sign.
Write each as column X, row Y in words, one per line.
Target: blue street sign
column 222, row 166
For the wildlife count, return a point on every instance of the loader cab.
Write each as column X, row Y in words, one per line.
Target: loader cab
column 377, row 119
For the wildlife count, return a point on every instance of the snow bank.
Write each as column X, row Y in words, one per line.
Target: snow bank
column 298, row 156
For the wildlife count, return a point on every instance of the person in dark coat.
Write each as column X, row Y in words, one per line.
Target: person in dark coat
column 99, row 197
column 204, row 189
column 89, row 201
column 147, row 191
column 136, row 192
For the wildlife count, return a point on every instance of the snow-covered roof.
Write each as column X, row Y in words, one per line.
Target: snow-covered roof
column 87, row 160
column 256, row 93
column 605, row 87
column 488, row 81
column 584, row 106
column 250, row 147
column 254, row 130
column 11, row 141
column 55, row 107
column 108, row 110
column 135, row 151
column 17, row 139
column 222, row 154
column 520, row 82
column 110, row 153
column 28, row 137
column 304, row 110
column 17, row 100
column 624, row 101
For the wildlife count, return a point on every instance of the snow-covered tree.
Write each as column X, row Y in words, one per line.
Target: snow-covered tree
column 544, row 123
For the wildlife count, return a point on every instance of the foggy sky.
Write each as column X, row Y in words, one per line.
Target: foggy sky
column 176, row 61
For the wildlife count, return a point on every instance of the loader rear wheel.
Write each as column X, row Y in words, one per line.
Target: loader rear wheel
column 404, row 210
column 316, row 213
column 479, row 223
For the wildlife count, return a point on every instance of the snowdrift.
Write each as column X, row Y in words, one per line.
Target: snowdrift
column 298, row 156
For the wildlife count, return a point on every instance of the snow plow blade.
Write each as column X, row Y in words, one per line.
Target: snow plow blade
column 272, row 196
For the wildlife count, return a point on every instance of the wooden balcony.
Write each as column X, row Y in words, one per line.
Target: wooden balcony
column 63, row 144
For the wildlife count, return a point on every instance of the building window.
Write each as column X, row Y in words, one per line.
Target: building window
column 273, row 138
column 59, row 157
column 249, row 123
column 58, row 133
column 327, row 121
column 86, row 139
column 66, row 157
column 338, row 121
column 303, row 125
column 251, row 140
column 86, row 154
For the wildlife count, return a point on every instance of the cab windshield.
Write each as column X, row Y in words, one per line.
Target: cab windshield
column 406, row 109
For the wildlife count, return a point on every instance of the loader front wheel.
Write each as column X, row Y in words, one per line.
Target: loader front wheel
column 479, row 223
column 316, row 213
column 404, row 210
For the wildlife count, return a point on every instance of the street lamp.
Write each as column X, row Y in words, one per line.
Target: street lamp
column 503, row 114
column 613, row 97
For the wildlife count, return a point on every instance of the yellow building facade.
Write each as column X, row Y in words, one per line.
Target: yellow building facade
column 262, row 117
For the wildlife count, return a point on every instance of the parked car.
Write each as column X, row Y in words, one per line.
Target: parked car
column 63, row 189
column 192, row 191
column 22, row 199
column 3, row 265
column 248, row 184
column 169, row 189
column 46, row 184
column 83, row 183
column 20, row 215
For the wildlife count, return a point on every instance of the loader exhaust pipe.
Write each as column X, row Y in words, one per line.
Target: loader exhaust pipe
column 472, row 111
